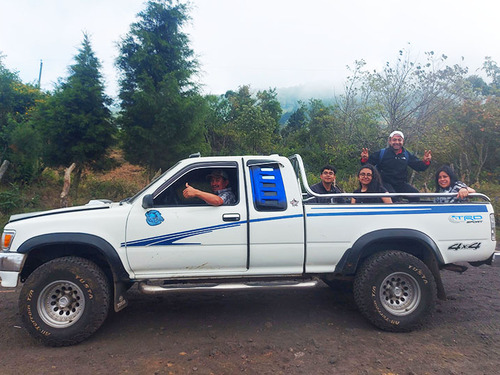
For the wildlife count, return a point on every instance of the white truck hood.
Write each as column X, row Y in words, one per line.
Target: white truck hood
column 95, row 204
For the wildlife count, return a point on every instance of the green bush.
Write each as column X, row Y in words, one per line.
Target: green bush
column 50, row 177
column 10, row 200
column 24, row 153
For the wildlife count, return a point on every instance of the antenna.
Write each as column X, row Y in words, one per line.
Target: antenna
column 40, row 74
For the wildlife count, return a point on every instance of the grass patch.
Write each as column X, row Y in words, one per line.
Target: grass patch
column 44, row 193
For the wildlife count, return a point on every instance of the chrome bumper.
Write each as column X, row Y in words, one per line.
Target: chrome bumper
column 10, row 266
column 496, row 259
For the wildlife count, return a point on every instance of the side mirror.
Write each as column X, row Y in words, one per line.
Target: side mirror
column 147, row 201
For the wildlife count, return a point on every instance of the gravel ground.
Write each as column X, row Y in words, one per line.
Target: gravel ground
column 313, row 331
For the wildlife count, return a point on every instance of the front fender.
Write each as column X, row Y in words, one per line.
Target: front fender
column 78, row 244
column 102, row 246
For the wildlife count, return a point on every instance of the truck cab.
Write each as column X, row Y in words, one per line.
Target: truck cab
column 262, row 233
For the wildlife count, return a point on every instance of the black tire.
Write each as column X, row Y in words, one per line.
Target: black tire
column 64, row 301
column 395, row 291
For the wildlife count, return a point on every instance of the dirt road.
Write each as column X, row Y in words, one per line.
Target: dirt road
column 313, row 331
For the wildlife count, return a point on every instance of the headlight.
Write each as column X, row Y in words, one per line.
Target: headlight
column 7, row 238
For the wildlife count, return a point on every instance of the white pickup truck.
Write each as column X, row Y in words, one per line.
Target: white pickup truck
column 77, row 263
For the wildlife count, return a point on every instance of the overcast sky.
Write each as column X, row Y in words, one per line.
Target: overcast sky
column 263, row 43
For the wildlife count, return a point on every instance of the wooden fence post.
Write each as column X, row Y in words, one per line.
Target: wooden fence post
column 67, row 183
column 3, row 168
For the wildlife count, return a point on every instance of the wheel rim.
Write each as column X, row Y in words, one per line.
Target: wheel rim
column 61, row 304
column 400, row 293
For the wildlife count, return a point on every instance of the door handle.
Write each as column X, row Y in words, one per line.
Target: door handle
column 231, row 217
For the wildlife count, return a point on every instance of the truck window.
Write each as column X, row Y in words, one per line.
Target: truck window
column 267, row 187
column 197, row 178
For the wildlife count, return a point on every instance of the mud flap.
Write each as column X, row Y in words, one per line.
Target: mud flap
column 455, row 267
column 431, row 262
column 120, row 302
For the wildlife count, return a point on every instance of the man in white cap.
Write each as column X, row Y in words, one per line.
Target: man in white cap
column 393, row 162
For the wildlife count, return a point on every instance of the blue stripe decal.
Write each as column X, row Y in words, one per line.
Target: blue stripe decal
column 170, row 239
column 416, row 210
column 448, row 208
column 275, row 218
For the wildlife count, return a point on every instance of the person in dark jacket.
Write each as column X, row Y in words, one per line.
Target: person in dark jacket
column 393, row 162
column 370, row 182
column 447, row 182
column 327, row 186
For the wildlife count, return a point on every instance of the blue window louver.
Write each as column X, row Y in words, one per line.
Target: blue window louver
column 267, row 188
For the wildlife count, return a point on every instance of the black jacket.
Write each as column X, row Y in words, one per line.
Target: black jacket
column 394, row 168
column 320, row 189
column 370, row 200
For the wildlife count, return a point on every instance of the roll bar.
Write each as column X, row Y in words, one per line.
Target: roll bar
column 298, row 166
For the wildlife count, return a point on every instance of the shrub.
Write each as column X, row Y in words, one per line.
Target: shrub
column 115, row 190
column 10, row 200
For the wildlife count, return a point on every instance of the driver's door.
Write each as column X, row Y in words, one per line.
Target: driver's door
column 189, row 237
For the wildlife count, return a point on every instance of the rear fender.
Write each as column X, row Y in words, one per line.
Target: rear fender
column 407, row 240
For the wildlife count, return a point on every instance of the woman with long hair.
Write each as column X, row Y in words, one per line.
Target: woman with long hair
column 447, row 182
column 370, row 182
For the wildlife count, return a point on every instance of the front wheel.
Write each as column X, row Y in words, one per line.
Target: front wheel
column 64, row 301
column 395, row 291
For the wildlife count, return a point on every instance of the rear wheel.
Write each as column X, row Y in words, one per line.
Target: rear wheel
column 395, row 291
column 64, row 301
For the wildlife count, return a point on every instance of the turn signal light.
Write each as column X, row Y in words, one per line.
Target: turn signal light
column 7, row 238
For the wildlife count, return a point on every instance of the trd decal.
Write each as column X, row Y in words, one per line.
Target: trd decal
column 466, row 219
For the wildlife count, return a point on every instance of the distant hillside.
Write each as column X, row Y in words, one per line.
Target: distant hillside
column 290, row 96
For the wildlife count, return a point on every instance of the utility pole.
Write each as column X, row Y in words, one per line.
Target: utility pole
column 40, row 74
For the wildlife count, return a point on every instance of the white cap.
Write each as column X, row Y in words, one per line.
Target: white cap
column 396, row 132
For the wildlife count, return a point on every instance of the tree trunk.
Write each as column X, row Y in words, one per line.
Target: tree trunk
column 3, row 168
column 67, row 183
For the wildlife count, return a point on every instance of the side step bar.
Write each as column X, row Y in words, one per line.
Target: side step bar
column 146, row 288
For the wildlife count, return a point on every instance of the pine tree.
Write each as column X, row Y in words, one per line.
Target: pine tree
column 76, row 122
column 161, row 111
